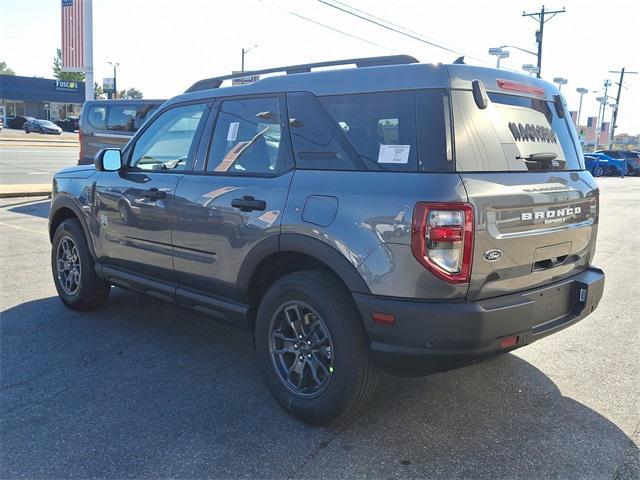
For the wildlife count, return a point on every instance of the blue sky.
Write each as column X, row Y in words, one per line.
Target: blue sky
column 163, row 46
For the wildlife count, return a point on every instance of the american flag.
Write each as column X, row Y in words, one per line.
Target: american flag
column 72, row 36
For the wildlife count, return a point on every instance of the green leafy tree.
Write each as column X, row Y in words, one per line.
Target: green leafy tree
column 60, row 75
column 4, row 70
column 130, row 94
column 98, row 93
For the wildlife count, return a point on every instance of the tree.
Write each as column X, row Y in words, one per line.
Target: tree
column 130, row 94
column 98, row 93
column 60, row 75
column 4, row 70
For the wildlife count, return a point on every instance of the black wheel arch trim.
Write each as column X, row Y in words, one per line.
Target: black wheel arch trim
column 298, row 243
column 60, row 202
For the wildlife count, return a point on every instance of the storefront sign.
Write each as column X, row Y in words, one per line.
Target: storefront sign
column 66, row 85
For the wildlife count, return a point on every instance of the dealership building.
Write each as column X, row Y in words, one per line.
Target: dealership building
column 39, row 97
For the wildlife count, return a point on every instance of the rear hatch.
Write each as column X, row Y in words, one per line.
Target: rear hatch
column 535, row 207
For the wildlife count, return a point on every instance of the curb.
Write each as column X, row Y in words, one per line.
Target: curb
column 39, row 144
column 25, row 190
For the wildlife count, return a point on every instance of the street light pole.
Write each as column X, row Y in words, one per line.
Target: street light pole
column 560, row 81
column 581, row 91
column 601, row 113
column 244, row 52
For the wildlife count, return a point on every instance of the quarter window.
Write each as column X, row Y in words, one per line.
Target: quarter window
column 246, row 138
column 167, row 143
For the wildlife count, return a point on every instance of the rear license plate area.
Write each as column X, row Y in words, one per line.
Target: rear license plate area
column 552, row 303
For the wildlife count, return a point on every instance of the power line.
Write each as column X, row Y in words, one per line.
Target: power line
column 387, row 27
column 340, row 31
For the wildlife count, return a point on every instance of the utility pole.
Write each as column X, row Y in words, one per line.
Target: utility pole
column 615, row 110
column 540, row 18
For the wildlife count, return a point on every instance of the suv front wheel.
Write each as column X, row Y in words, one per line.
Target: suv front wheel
column 73, row 269
column 312, row 348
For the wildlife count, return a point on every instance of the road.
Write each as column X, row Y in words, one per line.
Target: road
column 21, row 164
column 143, row 389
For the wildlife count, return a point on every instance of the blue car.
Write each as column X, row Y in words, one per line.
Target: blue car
column 632, row 159
column 607, row 165
column 592, row 163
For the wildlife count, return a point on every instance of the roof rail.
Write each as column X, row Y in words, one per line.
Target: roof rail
column 215, row 82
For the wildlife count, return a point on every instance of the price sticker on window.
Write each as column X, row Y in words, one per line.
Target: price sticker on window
column 232, row 134
column 398, row 154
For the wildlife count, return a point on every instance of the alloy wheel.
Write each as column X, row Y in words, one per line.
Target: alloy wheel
column 301, row 349
column 68, row 265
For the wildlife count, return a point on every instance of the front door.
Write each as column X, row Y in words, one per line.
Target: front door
column 133, row 205
column 237, row 199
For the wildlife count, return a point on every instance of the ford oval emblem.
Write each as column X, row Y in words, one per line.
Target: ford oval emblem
column 493, row 255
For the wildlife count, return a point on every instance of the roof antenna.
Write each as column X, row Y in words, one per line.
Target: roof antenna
column 459, row 61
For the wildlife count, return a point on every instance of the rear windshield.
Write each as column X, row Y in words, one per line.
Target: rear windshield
column 514, row 133
column 125, row 118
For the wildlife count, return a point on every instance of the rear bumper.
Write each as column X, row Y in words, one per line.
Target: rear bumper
column 429, row 337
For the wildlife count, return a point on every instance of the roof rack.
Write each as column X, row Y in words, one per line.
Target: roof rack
column 215, row 82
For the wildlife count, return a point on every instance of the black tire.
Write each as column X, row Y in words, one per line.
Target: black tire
column 598, row 171
column 89, row 292
column 353, row 376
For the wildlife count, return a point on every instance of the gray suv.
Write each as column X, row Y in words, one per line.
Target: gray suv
column 396, row 215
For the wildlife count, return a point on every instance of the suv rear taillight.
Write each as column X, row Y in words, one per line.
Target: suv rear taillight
column 442, row 239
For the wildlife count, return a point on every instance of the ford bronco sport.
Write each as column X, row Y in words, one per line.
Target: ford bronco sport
column 396, row 215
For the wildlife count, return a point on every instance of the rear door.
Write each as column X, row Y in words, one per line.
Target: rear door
column 535, row 206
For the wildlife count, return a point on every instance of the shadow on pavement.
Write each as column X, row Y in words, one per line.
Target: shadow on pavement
column 37, row 208
column 145, row 389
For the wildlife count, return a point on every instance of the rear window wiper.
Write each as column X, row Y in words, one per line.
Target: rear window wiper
column 539, row 157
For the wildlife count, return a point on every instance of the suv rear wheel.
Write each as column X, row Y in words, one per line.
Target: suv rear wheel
column 74, row 269
column 312, row 348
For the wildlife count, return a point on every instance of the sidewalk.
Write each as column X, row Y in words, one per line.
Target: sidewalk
column 25, row 190
column 13, row 138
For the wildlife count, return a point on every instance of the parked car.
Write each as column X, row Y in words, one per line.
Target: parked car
column 69, row 124
column 631, row 158
column 41, row 126
column 110, row 123
column 592, row 163
column 355, row 219
column 612, row 165
column 18, row 122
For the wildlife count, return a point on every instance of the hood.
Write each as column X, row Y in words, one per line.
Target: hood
column 78, row 171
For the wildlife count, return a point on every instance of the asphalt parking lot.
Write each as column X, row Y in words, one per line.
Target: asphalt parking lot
column 142, row 389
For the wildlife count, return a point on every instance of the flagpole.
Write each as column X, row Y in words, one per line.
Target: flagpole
column 88, row 49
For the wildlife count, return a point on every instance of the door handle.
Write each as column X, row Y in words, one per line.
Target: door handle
column 248, row 203
column 154, row 193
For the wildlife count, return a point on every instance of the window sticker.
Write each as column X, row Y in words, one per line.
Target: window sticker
column 232, row 134
column 394, row 154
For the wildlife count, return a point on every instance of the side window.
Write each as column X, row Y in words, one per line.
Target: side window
column 381, row 127
column 246, row 138
column 121, row 118
column 166, row 144
column 97, row 116
column 317, row 142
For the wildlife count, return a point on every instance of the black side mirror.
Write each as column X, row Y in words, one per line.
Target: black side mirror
column 108, row 160
column 480, row 94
